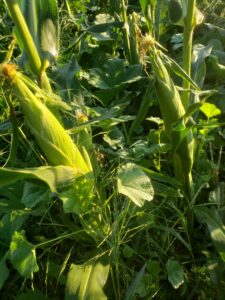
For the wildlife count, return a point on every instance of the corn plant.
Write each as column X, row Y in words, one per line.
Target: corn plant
column 174, row 106
column 90, row 207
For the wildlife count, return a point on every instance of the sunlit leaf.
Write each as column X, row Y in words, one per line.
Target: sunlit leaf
column 78, row 197
column 48, row 26
column 134, row 183
column 86, row 282
column 23, row 255
column 210, row 110
column 52, row 176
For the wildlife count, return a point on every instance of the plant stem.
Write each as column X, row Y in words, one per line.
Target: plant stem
column 25, row 35
column 126, row 31
column 187, row 56
column 14, row 137
column 187, row 49
column 157, row 18
column 143, row 110
column 123, row 11
column 68, row 8
column 61, row 237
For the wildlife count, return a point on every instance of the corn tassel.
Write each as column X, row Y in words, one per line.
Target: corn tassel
column 52, row 138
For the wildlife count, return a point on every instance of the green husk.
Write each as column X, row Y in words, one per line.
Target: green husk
column 52, row 138
column 172, row 111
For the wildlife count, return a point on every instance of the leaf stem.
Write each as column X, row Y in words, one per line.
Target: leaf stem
column 126, row 31
column 63, row 236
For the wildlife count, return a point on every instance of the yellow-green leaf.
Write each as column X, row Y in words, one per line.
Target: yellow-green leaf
column 86, row 282
column 135, row 184
column 210, row 110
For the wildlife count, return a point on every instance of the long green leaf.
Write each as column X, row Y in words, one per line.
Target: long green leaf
column 215, row 225
column 132, row 289
column 52, row 176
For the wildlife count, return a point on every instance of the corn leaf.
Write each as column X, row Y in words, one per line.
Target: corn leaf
column 52, row 176
column 200, row 53
column 215, row 225
column 176, row 69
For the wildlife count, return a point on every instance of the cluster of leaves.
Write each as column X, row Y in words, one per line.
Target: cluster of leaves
column 112, row 241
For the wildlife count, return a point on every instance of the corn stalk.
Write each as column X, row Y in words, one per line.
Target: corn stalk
column 187, row 48
column 28, row 42
column 185, row 13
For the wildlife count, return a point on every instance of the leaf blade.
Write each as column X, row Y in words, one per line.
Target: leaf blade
column 135, row 184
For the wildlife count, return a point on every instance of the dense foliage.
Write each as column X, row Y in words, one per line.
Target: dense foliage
column 112, row 149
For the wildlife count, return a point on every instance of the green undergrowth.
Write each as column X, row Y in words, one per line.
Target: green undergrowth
column 138, row 221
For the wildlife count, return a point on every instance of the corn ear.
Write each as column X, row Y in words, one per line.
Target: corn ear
column 172, row 111
column 52, row 138
column 133, row 36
